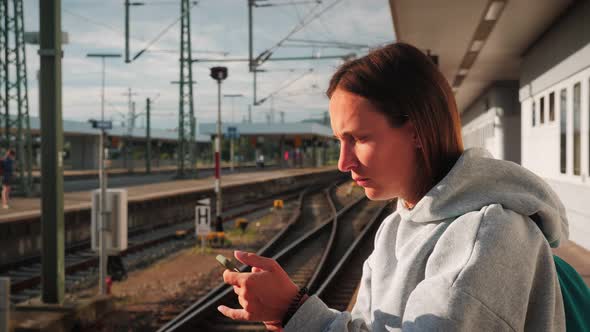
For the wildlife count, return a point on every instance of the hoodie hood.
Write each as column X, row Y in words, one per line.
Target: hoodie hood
column 477, row 180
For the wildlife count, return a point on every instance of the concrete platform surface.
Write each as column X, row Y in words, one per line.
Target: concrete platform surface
column 27, row 208
column 70, row 316
column 87, row 173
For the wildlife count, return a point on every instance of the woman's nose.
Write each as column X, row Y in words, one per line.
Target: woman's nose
column 347, row 159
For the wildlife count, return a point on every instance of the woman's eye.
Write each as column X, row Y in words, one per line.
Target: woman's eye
column 360, row 139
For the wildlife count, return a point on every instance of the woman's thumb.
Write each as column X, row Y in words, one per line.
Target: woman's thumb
column 254, row 260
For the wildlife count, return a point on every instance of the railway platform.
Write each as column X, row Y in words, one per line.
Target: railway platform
column 22, row 222
column 38, row 317
column 26, row 208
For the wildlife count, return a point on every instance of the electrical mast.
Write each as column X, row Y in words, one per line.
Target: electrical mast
column 186, row 118
column 14, row 99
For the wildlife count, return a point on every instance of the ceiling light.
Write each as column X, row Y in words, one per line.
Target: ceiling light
column 494, row 10
column 463, row 72
column 476, row 45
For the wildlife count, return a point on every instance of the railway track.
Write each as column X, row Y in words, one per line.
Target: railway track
column 145, row 245
column 295, row 224
column 338, row 289
column 307, row 259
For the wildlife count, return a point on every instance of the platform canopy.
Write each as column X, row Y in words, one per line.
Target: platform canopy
column 476, row 41
column 304, row 130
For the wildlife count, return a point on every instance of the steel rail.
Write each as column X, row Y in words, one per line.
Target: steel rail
column 199, row 313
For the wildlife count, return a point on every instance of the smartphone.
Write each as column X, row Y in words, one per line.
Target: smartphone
column 226, row 262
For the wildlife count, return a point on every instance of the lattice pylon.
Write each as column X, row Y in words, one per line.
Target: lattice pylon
column 15, row 99
column 186, row 118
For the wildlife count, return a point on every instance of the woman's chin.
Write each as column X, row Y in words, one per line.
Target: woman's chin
column 375, row 194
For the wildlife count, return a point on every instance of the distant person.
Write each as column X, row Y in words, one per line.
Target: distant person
column 260, row 161
column 7, row 173
column 468, row 247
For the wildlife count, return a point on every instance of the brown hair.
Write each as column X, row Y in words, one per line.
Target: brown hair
column 406, row 85
column 11, row 152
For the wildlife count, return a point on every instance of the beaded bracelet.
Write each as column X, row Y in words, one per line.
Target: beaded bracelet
column 294, row 305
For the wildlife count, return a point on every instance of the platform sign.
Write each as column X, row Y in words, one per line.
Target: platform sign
column 203, row 218
column 232, row 133
column 104, row 125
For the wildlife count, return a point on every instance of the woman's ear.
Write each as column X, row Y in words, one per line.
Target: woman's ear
column 413, row 134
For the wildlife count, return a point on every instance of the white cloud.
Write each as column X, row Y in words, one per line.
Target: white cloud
column 217, row 25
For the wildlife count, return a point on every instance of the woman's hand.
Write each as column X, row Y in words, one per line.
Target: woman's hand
column 264, row 294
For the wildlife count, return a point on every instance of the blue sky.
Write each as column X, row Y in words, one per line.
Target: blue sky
column 217, row 25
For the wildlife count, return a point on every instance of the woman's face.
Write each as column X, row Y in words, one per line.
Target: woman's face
column 380, row 158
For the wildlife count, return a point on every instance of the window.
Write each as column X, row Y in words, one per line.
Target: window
column 552, row 107
column 533, row 113
column 563, row 129
column 542, row 110
column 577, row 130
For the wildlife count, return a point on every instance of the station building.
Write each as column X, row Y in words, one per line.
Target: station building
column 304, row 144
column 520, row 71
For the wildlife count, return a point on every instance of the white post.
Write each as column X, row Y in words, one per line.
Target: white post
column 231, row 153
column 102, row 177
column 218, row 155
column 102, row 222
column 102, row 200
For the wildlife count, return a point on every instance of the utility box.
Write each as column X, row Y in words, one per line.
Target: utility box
column 116, row 234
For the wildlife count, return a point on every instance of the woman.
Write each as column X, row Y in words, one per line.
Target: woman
column 7, row 173
column 468, row 247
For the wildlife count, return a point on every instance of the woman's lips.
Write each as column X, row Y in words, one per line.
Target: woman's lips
column 362, row 181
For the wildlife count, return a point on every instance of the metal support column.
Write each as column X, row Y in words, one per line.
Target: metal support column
column 127, row 4
column 219, row 205
column 148, row 139
column 14, row 98
column 52, row 217
column 186, row 118
column 4, row 303
column 219, row 74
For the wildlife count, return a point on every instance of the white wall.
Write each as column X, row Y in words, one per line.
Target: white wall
column 541, row 143
column 493, row 121
column 84, row 152
column 482, row 132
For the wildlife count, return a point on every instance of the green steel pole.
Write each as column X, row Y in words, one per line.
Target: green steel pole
column 52, row 217
column 148, row 154
column 127, row 60
column 192, row 138
column 4, row 47
column 181, row 134
column 250, row 37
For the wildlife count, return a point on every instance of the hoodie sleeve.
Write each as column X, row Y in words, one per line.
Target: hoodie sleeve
column 314, row 315
column 500, row 278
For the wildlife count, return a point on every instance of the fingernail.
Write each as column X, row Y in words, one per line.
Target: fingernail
column 240, row 254
column 220, row 308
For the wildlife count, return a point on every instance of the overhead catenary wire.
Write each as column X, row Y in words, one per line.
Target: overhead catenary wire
column 284, row 86
column 90, row 20
column 274, row 4
column 265, row 55
column 268, row 52
column 163, row 32
column 328, row 42
column 87, row 19
column 343, row 47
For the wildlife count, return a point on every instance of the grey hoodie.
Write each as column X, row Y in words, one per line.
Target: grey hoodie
column 472, row 255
